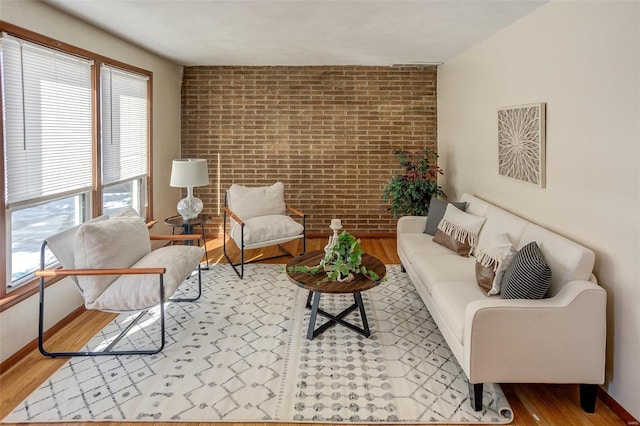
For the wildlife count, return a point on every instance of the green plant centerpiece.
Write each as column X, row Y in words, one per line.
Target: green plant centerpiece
column 343, row 258
column 411, row 191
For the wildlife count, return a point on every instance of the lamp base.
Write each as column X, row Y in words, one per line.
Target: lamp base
column 190, row 207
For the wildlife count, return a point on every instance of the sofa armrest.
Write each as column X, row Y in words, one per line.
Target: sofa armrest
column 556, row 340
column 411, row 224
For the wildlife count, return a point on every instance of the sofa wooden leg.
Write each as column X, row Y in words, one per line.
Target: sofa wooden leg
column 588, row 396
column 475, row 395
column 402, row 269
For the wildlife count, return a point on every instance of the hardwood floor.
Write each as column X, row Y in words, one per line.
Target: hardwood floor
column 533, row 404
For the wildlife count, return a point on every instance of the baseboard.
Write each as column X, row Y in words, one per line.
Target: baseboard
column 617, row 409
column 360, row 235
column 21, row 353
column 326, row 235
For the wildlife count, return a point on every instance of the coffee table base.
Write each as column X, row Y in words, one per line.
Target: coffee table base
column 335, row 319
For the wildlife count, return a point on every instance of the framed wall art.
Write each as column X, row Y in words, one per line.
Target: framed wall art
column 521, row 143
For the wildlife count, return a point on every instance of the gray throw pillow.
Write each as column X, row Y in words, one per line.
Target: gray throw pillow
column 528, row 276
column 437, row 208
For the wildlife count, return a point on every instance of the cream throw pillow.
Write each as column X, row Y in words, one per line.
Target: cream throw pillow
column 460, row 225
column 248, row 202
column 114, row 243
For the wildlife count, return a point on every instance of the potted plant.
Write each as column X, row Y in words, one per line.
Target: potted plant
column 343, row 258
column 411, row 191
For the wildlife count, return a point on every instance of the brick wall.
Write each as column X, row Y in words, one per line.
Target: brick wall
column 327, row 132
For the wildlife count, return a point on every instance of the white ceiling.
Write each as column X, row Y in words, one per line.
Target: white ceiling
column 301, row 32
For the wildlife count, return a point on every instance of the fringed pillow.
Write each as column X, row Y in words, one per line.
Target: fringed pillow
column 462, row 248
column 462, row 227
column 492, row 260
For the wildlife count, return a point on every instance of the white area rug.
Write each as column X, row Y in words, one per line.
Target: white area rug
column 240, row 354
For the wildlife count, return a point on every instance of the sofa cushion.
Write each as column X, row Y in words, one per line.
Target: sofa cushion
column 500, row 221
column 437, row 208
column 462, row 226
column 461, row 248
column 498, row 252
column 444, row 268
column 528, row 276
column 415, row 245
column 475, row 205
column 568, row 260
column 452, row 298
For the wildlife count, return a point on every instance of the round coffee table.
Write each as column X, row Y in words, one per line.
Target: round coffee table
column 317, row 288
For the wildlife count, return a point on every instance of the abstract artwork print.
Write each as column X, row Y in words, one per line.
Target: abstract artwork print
column 521, row 143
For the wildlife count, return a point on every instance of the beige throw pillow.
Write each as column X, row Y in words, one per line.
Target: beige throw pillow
column 460, row 225
column 115, row 243
column 498, row 252
column 485, row 276
column 462, row 248
column 248, row 202
column 458, row 231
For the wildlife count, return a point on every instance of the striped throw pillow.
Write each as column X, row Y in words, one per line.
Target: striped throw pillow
column 528, row 276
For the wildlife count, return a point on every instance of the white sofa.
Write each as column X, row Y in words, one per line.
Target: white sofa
column 557, row 339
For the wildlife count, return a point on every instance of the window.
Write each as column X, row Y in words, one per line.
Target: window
column 52, row 178
column 124, row 139
column 31, row 225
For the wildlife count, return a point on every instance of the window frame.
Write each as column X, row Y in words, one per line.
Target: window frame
column 23, row 291
column 84, row 196
column 142, row 190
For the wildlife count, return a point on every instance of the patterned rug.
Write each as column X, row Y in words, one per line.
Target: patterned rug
column 240, row 354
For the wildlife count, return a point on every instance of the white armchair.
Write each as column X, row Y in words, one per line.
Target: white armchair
column 115, row 270
column 258, row 218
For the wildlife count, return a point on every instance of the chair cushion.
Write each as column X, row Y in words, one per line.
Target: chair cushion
column 113, row 243
column 249, row 202
column 62, row 245
column 135, row 292
column 266, row 228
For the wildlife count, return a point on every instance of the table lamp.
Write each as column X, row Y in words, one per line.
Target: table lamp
column 187, row 173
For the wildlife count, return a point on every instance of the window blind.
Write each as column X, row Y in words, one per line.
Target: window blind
column 47, row 121
column 124, row 124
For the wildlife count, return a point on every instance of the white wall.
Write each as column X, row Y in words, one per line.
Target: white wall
column 583, row 60
column 18, row 324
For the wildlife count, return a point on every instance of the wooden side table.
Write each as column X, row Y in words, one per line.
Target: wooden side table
column 188, row 228
column 358, row 285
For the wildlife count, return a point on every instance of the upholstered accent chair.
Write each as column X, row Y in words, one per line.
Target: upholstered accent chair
column 114, row 268
column 258, row 218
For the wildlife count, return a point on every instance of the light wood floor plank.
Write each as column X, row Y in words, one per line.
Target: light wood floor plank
column 533, row 404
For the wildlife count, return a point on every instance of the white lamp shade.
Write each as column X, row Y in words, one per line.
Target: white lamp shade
column 189, row 172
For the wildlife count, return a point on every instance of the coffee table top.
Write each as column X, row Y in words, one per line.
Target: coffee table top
column 310, row 282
